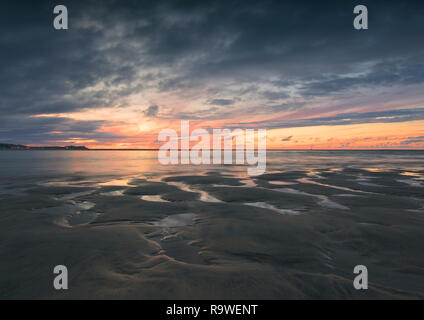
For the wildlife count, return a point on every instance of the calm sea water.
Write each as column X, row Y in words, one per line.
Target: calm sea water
column 32, row 164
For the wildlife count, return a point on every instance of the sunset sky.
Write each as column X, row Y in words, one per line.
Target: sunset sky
column 124, row 70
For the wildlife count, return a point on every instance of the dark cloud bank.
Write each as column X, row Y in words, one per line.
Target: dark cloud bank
column 186, row 44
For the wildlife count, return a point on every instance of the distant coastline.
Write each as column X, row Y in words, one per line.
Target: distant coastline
column 5, row 146
column 18, row 147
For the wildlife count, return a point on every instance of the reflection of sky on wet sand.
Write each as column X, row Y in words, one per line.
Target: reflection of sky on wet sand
column 415, row 175
column 154, row 198
column 271, row 207
column 77, row 178
column 119, row 164
column 204, row 196
column 117, row 182
column 115, row 193
column 176, row 220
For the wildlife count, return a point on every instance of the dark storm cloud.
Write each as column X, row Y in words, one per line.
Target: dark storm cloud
column 387, row 116
column 287, row 40
column 412, row 140
column 15, row 129
column 152, row 111
column 222, row 102
column 273, row 95
column 286, row 106
column 207, row 114
column 383, row 74
column 45, row 70
column 117, row 48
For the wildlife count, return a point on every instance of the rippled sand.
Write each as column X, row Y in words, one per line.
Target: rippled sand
column 215, row 234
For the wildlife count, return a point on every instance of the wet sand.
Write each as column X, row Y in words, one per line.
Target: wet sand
column 291, row 234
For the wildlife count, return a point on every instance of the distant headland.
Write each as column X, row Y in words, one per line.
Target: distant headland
column 5, row 146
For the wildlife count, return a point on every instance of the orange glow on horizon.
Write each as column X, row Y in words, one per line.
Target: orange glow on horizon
column 134, row 130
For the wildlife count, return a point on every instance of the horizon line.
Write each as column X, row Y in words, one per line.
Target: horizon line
column 235, row 149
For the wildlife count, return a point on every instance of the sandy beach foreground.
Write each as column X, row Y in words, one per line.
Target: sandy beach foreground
column 296, row 232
